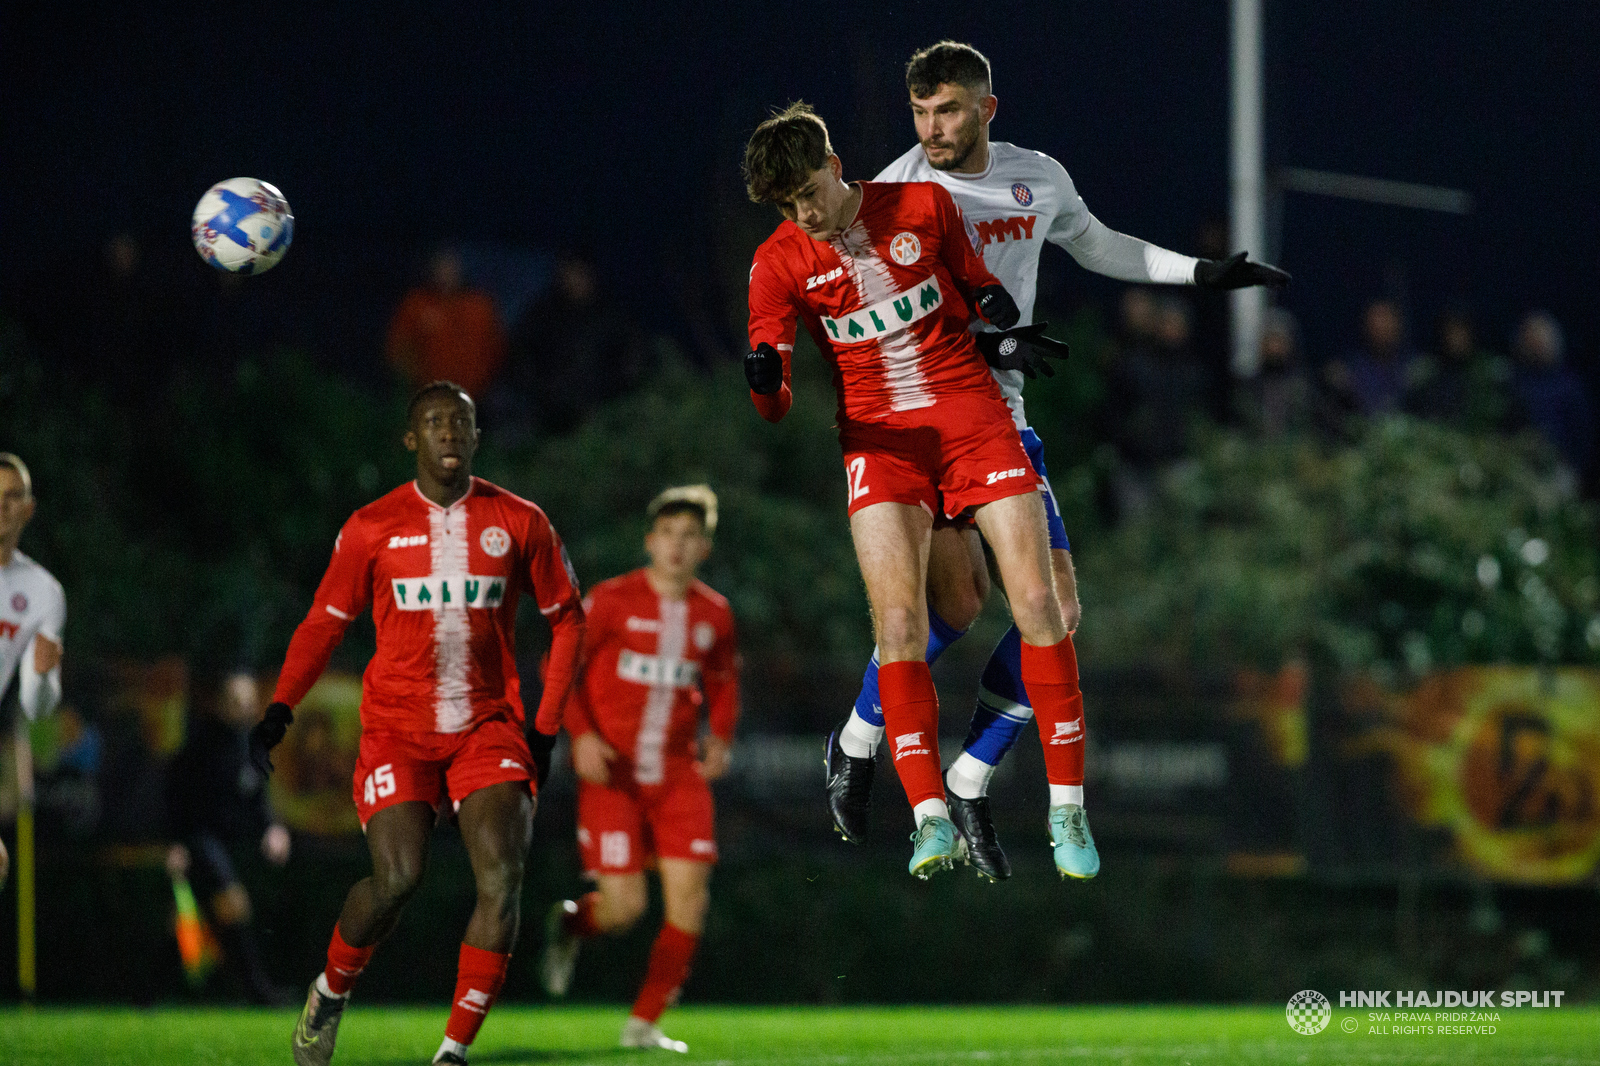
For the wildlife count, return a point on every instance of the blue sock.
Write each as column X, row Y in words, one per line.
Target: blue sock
column 1003, row 710
column 940, row 636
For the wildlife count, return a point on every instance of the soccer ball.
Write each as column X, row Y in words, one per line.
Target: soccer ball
column 242, row 226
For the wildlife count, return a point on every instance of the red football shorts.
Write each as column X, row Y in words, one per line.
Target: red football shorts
column 962, row 452
column 396, row 767
column 623, row 827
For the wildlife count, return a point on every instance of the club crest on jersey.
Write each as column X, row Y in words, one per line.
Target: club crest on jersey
column 19, row 603
column 495, row 542
column 1022, row 194
column 448, row 593
column 887, row 316
column 705, row 634
column 905, row 249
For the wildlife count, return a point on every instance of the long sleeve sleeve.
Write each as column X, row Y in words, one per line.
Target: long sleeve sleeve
column 345, row 591
column 1116, row 255
column 720, row 683
column 772, row 321
column 555, row 589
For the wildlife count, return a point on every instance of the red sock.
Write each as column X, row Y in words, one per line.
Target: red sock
column 581, row 922
column 479, row 976
column 911, row 717
column 345, row 963
column 1051, row 677
column 669, row 968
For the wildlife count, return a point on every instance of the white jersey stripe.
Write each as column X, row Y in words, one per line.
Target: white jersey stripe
column 902, row 358
column 452, row 630
column 649, row 764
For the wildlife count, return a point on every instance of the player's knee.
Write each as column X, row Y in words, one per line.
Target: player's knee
column 621, row 909
column 1037, row 614
column 397, row 881
column 500, row 881
column 902, row 634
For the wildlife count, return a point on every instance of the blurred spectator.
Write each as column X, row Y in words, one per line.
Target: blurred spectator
column 573, row 348
column 1457, row 383
column 1374, row 378
column 1138, row 318
column 1278, row 399
column 446, row 331
column 1158, row 390
column 1551, row 395
column 217, row 799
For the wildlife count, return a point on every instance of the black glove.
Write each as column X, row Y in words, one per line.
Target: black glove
column 1024, row 349
column 997, row 307
column 540, row 745
column 1237, row 272
column 268, row 734
column 763, row 369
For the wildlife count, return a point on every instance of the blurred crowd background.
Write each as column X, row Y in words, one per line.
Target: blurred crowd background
column 1341, row 637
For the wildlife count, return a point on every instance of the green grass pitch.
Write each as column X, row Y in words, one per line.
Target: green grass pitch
column 905, row 1036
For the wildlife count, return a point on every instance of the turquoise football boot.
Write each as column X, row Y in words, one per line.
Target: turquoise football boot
column 935, row 849
column 1074, row 844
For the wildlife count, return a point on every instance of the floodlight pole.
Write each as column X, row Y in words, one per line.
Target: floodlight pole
column 1247, row 181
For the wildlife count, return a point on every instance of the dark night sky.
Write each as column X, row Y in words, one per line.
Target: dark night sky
column 620, row 126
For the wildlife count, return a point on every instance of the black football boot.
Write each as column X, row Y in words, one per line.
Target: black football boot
column 849, row 784
column 976, row 826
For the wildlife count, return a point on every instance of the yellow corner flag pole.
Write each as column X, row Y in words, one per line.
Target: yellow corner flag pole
column 27, row 970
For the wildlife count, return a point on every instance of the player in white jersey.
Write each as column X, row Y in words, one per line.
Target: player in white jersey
column 33, row 608
column 1015, row 200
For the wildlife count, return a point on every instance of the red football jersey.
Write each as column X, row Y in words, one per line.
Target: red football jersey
column 443, row 584
column 887, row 302
column 650, row 664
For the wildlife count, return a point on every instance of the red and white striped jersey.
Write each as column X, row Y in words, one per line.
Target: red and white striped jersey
column 650, row 665
column 887, row 302
column 443, row 584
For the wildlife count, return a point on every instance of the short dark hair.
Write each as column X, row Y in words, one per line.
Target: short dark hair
column 784, row 152
column 433, row 388
column 947, row 63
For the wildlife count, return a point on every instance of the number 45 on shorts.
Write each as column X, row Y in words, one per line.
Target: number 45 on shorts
column 379, row 783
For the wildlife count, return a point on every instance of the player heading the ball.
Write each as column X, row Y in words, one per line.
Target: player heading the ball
column 1017, row 200
column 885, row 278
column 442, row 562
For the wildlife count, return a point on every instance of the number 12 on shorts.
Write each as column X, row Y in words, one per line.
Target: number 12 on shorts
column 379, row 783
column 856, row 471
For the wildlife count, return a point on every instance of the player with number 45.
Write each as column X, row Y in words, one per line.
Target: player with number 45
column 442, row 561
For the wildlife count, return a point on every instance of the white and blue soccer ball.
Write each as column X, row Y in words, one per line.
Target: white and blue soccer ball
column 242, row 226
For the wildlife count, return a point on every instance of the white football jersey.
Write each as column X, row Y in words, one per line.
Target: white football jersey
column 31, row 603
column 1021, row 200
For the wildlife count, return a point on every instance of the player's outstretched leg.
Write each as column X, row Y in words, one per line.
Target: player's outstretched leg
column 497, row 827
column 685, row 895
column 1052, row 674
column 997, row 721
column 850, row 758
column 398, row 839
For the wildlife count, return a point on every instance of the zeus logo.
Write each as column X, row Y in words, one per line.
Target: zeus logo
column 822, row 279
column 1000, row 229
column 408, row 542
column 1001, row 475
column 909, row 744
column 1068, row 732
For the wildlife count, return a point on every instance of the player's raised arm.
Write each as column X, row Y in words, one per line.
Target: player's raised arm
column 772, row 330
column 345, row 591
column 555, row 590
